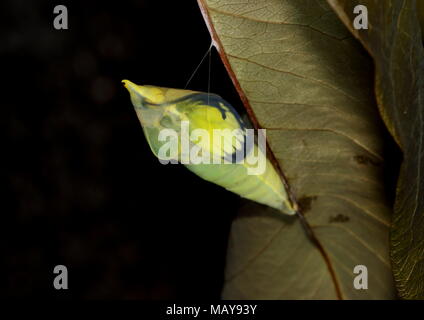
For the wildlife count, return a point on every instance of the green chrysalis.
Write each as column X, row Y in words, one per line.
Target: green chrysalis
column 205, row 133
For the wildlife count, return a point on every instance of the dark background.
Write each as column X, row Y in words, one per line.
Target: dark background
column 82, row 187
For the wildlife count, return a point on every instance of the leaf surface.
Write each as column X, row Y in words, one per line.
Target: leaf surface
column 395, row 42
column 304, row 78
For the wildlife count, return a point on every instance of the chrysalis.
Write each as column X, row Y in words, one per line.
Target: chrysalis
column 205, row 133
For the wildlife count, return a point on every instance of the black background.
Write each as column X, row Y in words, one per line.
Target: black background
column 82, row 187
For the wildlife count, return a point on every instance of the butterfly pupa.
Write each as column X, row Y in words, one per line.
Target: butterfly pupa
column 160, row 109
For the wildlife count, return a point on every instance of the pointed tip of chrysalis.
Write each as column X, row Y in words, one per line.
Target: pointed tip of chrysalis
column 150, row 94
column 127, row 83
column 134, row 90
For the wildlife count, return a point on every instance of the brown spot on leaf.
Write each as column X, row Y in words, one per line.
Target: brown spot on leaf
column 305, row 203
column 339, row 218
column 365, row 160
